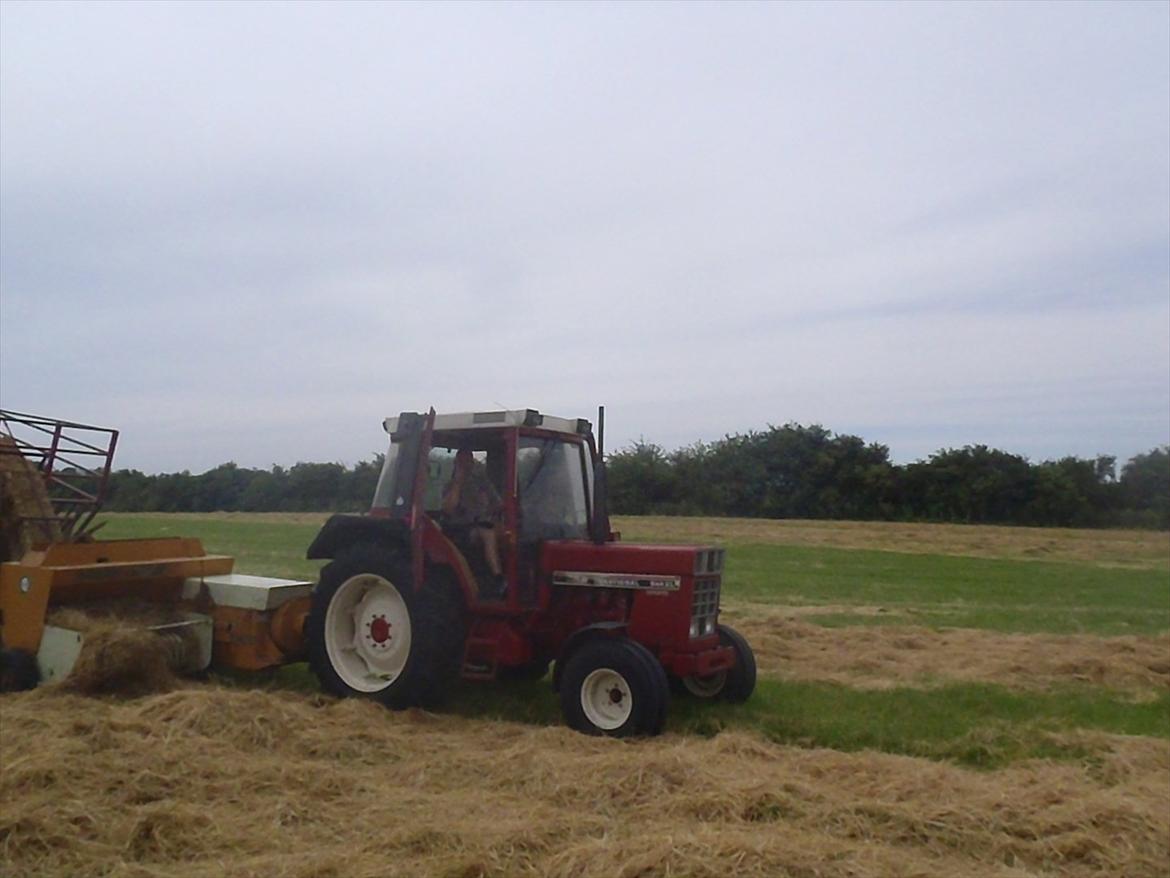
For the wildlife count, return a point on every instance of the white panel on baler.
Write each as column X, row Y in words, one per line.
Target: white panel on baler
column 247, row 592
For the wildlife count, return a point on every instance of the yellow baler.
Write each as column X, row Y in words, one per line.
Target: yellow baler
column 50, row 563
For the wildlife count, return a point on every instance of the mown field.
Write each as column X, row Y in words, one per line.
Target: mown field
column 933, row 700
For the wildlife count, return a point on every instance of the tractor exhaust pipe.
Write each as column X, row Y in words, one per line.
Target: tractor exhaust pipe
column 600, row 523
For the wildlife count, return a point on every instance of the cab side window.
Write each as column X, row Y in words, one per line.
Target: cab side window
column 551, row 479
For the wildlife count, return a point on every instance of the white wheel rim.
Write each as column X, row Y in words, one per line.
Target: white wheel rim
column 367, row 632
column 606, row 699
column 706, row 687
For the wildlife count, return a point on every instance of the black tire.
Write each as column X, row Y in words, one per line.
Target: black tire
column 634, row 672
column 436, row 630
column 736, row 684
column 741, row 680
column 18, row 670
column 662, row 684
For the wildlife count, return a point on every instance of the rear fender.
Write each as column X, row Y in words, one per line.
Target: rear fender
column 596, row 631
column 342, row 531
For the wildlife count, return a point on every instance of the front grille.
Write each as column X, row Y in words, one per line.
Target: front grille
column 705, row 606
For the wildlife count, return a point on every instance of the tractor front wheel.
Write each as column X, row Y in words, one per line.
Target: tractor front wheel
column 614, row 687
column 734, row 684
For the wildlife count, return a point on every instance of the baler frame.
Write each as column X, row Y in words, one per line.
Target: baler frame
column 72, row 458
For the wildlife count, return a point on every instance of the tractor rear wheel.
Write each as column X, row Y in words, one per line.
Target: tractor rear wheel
column 614, row 687
column 734, row 684
column 372, row 635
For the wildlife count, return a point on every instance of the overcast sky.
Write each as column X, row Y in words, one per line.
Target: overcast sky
column 250, row 232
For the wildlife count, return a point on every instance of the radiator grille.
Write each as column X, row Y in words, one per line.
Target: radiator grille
column 705, row 606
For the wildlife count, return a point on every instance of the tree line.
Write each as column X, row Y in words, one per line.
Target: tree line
column 792, row 471
column 305, row 487
column 797, row 471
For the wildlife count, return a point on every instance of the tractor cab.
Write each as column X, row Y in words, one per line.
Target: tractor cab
column 537, row 472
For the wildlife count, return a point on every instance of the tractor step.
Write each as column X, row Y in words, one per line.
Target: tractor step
column 479, row 659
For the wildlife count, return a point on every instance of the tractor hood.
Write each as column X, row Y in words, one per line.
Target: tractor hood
column 618, row 558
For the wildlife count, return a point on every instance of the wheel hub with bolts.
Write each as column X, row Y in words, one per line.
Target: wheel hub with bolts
column 379, row 631
column 606, row 698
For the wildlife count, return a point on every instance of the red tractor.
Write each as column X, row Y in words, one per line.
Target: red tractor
column 409, row 600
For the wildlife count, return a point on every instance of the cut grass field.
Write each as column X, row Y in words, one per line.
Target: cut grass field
column 991, row 593
column 1122, row 548
column 214, row 782
column 1044, row 656
column 933, row 700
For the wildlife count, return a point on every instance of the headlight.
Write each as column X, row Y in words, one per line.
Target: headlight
column 708, row 625
column 694, row 628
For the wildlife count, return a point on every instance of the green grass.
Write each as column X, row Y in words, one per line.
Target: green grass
column 1018, row 596
column 933, row 590
column 262, row 548
column 974, row 724
column 977, row 724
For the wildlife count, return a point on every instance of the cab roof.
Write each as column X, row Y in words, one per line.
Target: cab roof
column 497, row 419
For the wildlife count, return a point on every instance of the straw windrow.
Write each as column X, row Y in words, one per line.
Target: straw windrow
column 207, row 781
column 897, row 655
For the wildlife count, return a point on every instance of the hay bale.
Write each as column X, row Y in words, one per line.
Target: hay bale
column 27, row 518
column 120, row 655
column 122, row 661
